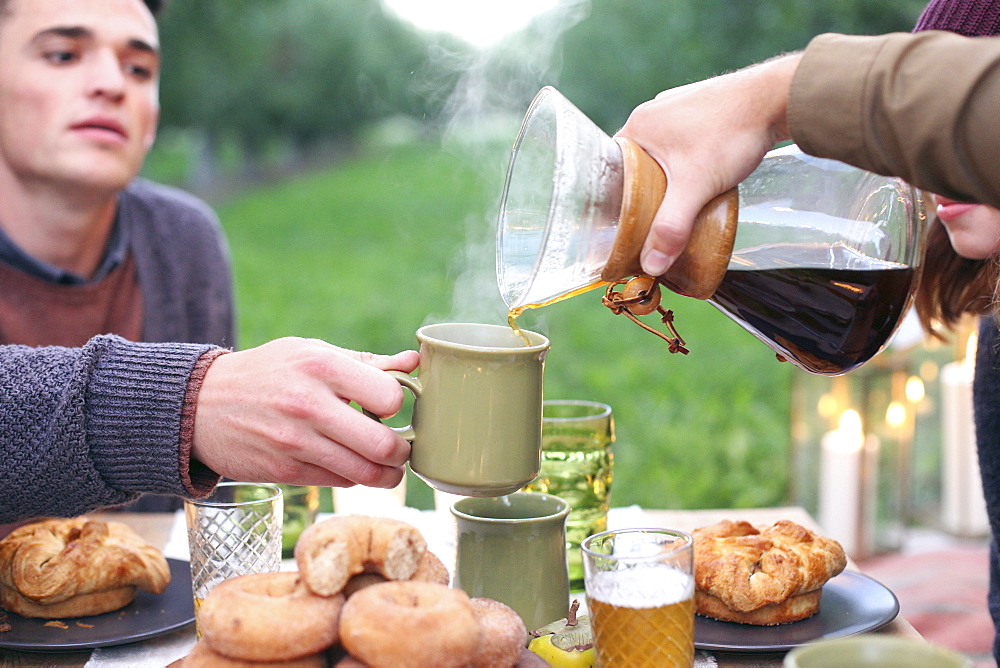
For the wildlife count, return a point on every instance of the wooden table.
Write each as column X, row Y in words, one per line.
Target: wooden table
column 155, row 528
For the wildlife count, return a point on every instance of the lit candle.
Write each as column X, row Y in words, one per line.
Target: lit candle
column 963, row 508
column 840, row 481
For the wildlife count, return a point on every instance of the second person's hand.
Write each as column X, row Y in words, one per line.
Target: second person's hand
column 707, row 137
column 281, row 412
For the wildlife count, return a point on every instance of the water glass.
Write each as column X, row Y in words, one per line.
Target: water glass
column 577, row 466
column 301, row 506
column 228, row 537
column 640, row 593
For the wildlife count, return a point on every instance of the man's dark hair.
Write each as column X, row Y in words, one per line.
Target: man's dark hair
column 154, row 6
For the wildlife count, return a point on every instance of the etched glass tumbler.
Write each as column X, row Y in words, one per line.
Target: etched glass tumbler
column 229, row 537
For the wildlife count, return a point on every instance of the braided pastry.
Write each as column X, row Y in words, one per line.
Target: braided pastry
column 772, row 576
column 76, row 567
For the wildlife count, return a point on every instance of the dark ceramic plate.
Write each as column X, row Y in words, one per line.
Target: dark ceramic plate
column 852, row 603
column 148, row 616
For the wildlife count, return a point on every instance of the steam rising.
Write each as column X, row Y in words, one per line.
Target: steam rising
column 483, row 113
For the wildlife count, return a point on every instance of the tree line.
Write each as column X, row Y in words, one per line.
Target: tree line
column 310, row 71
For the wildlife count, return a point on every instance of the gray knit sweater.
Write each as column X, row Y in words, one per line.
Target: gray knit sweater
column 82, row 428
column 182, row 261
column 89, row 427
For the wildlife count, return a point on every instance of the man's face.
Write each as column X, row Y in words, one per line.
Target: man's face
column 78, row 91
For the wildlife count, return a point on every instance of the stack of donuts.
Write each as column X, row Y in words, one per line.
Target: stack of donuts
column 368, row 592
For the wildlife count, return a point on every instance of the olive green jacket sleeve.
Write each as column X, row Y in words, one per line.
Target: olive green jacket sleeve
column 924, row 107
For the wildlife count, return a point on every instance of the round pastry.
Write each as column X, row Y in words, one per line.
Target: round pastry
column 251, row 617
column 203, row 656
column 410, row 623
column 502, row 634
column 762, row 577
column 431, row 569
column 791, row 609
column 76, row 567
column 328, row 553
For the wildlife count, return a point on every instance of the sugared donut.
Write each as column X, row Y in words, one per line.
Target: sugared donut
column 203, row 656
column 502, row 634
column 431, row 569
column 409, row 623
column 328, row 553
column 268, row 617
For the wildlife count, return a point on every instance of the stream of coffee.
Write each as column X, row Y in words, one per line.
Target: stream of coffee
column 515, row 312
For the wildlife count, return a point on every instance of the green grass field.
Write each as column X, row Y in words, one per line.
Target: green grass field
column 364, row 253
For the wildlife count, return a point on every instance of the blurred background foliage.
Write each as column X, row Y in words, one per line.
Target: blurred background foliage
column 303, row 73
column 357, row 162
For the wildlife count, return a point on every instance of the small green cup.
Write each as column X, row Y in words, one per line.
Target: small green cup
column 874, row 650
column 513, row 549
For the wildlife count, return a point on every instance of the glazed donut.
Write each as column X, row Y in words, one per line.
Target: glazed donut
column 404, row 624
column 502, row 634
column 203, row 656
column 328, row 553
column 268, row 617
column 431, row 569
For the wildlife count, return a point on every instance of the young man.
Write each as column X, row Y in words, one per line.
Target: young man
column 97, row 425
column 85, row 247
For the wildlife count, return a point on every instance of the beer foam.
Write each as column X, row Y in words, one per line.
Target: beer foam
column 649, row 586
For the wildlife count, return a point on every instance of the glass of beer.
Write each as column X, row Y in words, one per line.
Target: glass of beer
column 640, row 593
column 577, row 467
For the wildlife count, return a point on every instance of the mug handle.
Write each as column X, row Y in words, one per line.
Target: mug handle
column 413, row 385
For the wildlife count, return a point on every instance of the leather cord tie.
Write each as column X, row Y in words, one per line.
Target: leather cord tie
column 641, row 296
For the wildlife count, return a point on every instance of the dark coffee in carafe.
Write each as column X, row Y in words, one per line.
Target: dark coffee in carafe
column 828, row 320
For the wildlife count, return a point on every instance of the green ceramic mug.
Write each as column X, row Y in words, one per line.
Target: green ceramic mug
column 513, row 549
column 476, row 428
column 873, row 650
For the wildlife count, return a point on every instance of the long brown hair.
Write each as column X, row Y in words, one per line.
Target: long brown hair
column 951, row 285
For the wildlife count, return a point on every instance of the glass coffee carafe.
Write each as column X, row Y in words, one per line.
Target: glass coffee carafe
column 815, row 258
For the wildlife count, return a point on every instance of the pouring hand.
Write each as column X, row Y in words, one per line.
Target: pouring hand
column 280, row 413
column 707, row 137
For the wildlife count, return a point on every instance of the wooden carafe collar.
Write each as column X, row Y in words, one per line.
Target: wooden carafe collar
column 700, row 268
